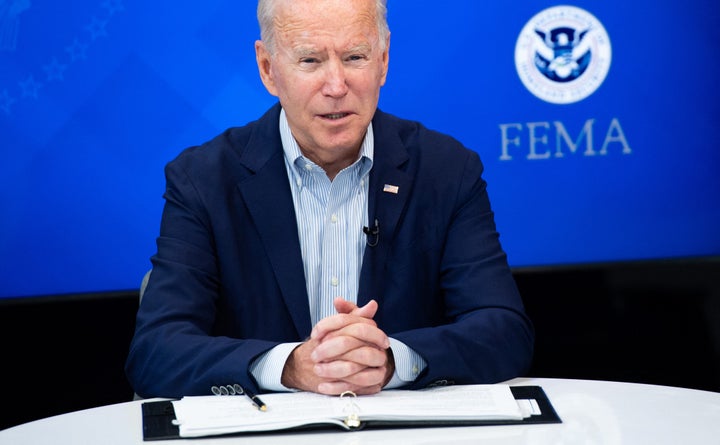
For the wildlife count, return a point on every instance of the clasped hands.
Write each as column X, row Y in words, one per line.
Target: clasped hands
column 345, row 352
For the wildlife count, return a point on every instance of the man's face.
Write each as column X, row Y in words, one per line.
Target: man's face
column 327, row 71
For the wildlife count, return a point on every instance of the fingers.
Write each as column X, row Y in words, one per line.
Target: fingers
column 343, row 306
column 367, row 381
column 348, row 373
column 337, row 332
column 346, row 363
column 337, row 388
column 348, row 349
column 348, row 313
column 367, row 311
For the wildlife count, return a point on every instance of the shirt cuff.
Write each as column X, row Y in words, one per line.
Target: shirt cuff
column 408, row 364
column 267, row 368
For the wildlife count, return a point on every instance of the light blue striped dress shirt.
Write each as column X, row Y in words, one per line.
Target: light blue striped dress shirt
column 330, row 217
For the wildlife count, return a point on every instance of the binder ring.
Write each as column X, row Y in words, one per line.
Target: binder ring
column 352, row 420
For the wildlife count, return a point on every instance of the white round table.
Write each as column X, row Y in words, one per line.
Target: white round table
column 592, row 412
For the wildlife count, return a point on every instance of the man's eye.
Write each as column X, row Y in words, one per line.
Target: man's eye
column 356, row 57
column 308, row 60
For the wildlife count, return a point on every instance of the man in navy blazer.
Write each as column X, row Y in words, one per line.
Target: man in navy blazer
column 435, row 300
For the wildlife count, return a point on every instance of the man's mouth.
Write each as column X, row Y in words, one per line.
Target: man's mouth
column 334, row 116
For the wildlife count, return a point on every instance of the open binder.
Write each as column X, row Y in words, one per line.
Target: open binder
column 457, row 405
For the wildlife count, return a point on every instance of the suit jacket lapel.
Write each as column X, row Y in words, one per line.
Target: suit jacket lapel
column 389, row 190
column 269, row 201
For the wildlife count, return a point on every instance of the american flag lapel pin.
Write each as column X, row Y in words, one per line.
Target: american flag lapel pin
column 388, row 188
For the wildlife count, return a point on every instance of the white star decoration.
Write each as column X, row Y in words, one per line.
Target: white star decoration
column 30, row 87
column 113, row 6
column 55, row 69
column 97, row 28
column 77, row 50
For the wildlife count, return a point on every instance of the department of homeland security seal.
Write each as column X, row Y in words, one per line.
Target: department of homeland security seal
column 563, row 54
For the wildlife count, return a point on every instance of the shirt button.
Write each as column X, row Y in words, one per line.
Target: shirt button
column 334, row 281
column 308, row 167
column 333, row 218
column 415, row 369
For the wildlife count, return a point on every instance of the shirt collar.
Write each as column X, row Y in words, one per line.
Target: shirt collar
column 295, row 158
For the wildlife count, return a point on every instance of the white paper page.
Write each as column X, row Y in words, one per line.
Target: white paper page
column 462, row 402
column 208, row 415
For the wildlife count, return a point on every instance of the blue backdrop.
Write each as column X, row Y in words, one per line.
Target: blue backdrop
column 597, row 122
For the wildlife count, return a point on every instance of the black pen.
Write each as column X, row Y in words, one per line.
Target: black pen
column 259, row 404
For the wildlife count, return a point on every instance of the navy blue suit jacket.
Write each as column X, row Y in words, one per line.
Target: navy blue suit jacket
column 228, row 281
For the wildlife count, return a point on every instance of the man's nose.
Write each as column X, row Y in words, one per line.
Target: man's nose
column 335, row 84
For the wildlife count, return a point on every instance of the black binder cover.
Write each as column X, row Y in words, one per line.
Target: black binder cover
column 158, row 417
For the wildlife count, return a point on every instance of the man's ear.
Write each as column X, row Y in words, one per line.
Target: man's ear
column 264, row 63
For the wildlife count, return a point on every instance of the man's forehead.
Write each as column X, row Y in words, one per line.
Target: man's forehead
column 314, row 40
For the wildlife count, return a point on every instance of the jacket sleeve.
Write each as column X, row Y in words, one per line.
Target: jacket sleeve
column 177, row 348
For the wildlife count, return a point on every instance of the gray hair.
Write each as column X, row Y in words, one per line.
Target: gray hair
column 266, row 16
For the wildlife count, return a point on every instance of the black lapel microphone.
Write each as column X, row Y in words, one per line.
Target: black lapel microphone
column 373, row 234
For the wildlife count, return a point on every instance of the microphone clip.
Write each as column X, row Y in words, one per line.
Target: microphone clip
column 372, row 233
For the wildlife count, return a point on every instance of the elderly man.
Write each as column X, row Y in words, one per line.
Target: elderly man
column 327, row 246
